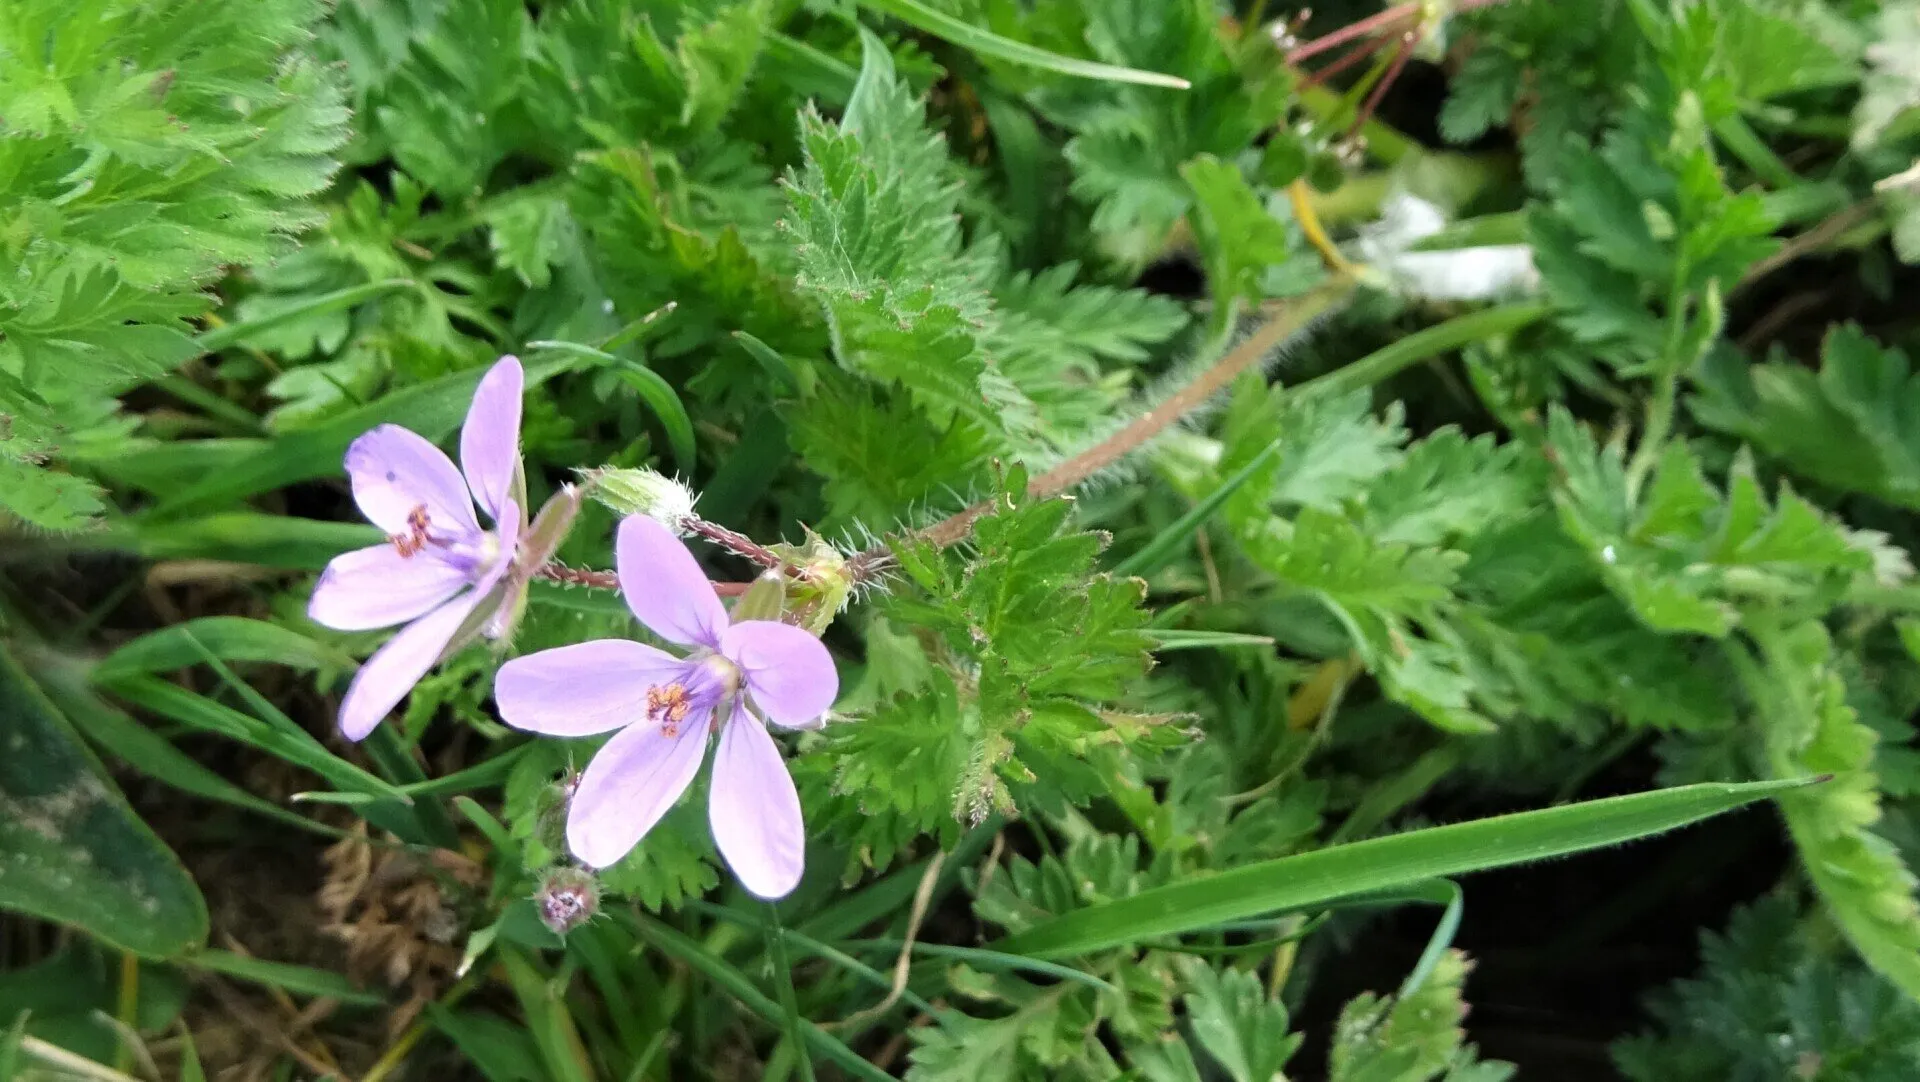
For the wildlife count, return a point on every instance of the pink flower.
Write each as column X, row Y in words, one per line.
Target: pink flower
column 666, row 707
column 439, row 567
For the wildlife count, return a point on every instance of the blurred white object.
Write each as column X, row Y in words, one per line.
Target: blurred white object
column 1460, row 274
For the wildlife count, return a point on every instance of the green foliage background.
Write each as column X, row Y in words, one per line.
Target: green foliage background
column 1396, row 548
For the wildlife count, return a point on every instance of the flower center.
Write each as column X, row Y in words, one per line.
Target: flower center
column 703, row 684
column 668, row 706
column 474, row 553
column 415, row 538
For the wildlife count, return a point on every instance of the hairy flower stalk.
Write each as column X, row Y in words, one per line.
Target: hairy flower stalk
column 1144, row 428
column 1408, row 27
column 836, row 577
column 735, row 678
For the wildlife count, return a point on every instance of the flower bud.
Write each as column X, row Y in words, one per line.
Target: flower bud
column 642, row 492
column 567, row 898
column 821, row 590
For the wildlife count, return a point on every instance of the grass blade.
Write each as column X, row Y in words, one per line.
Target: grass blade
column 1378, row 864
column 229, row 638
column 652, row 388
column 994, row 961
column 736, row 984
column 221, row 337
column 783, row 977
column 1154, row 554
column 988, row 43
column 300, row 980
column 1174, row 638
column 141, row 748
column 1406, row 352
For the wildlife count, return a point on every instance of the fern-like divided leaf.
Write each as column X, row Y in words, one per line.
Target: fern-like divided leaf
column 148, row 148
column 975, row 362
column 1810, row 729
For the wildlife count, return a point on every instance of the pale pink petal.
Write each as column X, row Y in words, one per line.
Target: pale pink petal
column 583, row 689
column 490, row 440
column 391, row 672
column 755, row 811
column 629, row 785
column 377, row 587
column 788, row 672
column 664, row 585
column 395, row 470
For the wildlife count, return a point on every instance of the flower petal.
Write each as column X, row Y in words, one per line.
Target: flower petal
column 391, row 672
column 755, row 811
column 377, row 587
column 490, row 440
column 664, row 585
column 789, row 673
column 580, row 690
column 630, row 784
column 395, row 470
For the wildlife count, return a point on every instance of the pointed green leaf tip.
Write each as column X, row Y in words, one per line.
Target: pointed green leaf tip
column 1325, row 875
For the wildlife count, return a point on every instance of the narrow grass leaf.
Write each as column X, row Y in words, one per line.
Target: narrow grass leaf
column 1398, row 860
column 300, row 980
column 1174, row 638
column 146, row 751
column 196, row 710
column 967, row 36
column 1403, row 353
column 771, row 361
column 1441, row 939
column 1154, row 554
column 233, row 333
column 994, row 961
column 736, row 984
column 655, row 391
column 229, row 638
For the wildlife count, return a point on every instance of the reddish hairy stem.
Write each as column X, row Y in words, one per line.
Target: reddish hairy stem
column 1400, row 57
column 737, row 543
column 1145, row 427
column 607, row 580
column 1360, row 53
column 1353, row 30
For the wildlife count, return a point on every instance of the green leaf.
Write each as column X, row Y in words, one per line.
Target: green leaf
column 301, row 980
column 133, row 157
column 74, row 852
column 1240, row 238
column 1234, row 1021
column 1413, row 1037
column 695, row 956
column 502, row 1051
column 46, row 498
column 968, row 36
column 229, row 638
column 1325, row 875
column 66, row 682
column 656, row 392
column 1854, row 426
column 1809, row 727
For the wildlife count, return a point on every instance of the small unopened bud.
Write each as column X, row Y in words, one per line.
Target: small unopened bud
column 567, row 898
column 642, row 492
column 823, row 586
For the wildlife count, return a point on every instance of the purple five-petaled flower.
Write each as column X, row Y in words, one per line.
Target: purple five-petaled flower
column 439, row 565
column 666, row 707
